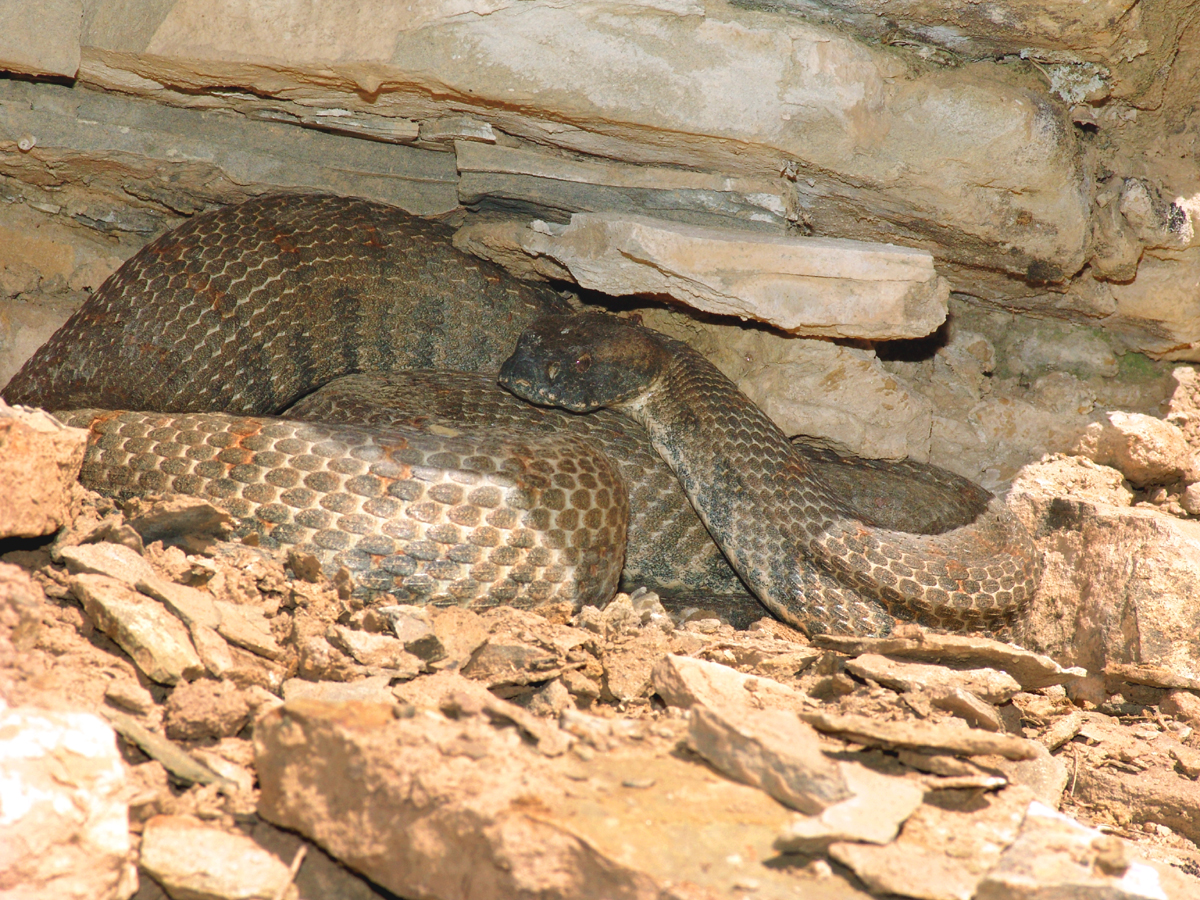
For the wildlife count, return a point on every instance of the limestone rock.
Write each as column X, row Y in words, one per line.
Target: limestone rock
column 156, row 641
column 378, row 650
column 989, row 684
column 769, row 749
column 430, row 798
column 1069, row 476
column 213, row 650
column 178, row 519
column 413, row 627
column 21, row 610
column 41, row 40
column 1054, row 856
column 205, row 709
column 878, row 806
column 742, row 89
column 1154, row 313
column 193, row 607
column 64, row 833
column 921, row 736
column 1144, row 449
column 374, row 689
column 1031, row 670
column 115, row 561
column 129, row 695
column 1118, row 586
column 546, row 180
column 944, row 851
column 811, row 286
column 246, row 626
column 685, row 682
column 39, row 465
column 194, row 860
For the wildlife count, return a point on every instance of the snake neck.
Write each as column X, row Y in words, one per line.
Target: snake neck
column 732, row 460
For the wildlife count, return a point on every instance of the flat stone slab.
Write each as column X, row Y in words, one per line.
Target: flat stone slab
column 1032, row 670
column 769, row 749
column 921, row 736
column 814, row 286
column 178, row 851
column 416, row 803
column 987, row 684
column 156, row 641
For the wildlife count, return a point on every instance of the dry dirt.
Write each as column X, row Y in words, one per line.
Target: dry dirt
column 582, row 690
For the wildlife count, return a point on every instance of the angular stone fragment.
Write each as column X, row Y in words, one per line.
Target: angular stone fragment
column 373, row 689
column 812, row 286
column 504, row 660
column 1151, row 676
column 684, row 682
column 1144, row 449
column 1054, row 856
column 155, row 640
column 39, row 461
column 205, row 709
column 192, row 606
column 921, row 736
column 1032, row 670
column 378, row 650
column 768, row 749
column 21, row 611
column 431, row 804
column 64, row 830
column 461, row 697
column 943, row 852
column 878, row 806
column 130, row 695
column 413, row 627
column 173, row 758
column 112, row 560
column 460, row 631
column 987, row 684
column 1045, row 775
column 179, row 519
column 213, row 651
column 246, row 626
column 1128, row 578
column 1158, row 793
column 968, row 707
column 194, row 860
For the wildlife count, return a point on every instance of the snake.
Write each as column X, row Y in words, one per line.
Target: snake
column 265, row 356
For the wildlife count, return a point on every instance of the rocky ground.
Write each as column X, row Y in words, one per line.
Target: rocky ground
column 188, row 717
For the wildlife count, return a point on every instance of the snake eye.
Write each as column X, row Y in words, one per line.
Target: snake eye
column 583, row 363
column 551, row 371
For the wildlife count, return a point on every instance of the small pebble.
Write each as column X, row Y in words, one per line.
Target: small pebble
column 129, row 695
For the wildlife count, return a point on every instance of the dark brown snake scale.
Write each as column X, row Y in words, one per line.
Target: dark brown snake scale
column 251, row 308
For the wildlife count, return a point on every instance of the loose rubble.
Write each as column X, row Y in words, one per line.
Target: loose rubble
column 624, row 751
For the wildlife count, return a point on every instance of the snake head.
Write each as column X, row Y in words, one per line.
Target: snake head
column 582, row 362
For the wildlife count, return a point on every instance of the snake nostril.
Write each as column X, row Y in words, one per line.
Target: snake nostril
column 552, row 370
column 583, row 363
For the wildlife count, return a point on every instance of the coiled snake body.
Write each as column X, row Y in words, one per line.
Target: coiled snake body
column 250, row 308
